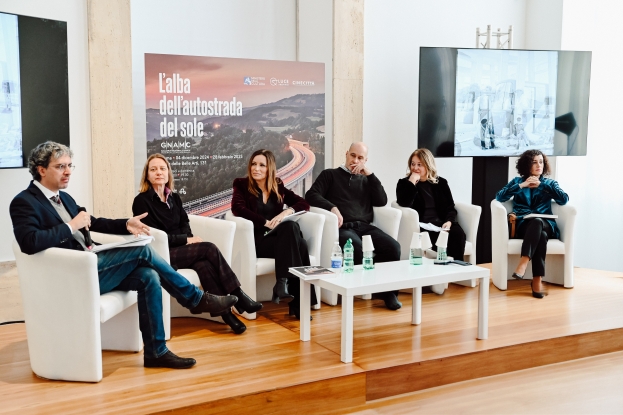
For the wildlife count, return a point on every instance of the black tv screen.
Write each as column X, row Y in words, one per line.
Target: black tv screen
column 500, row 102
column 34, row 101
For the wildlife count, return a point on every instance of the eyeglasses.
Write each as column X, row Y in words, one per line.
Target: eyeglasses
column 63, row 167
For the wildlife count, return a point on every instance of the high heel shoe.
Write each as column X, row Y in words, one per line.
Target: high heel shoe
column 245, row 303
column 232, row 321
column 296, row 312
column 537, row 294
column 280, row 291
column 517, row 276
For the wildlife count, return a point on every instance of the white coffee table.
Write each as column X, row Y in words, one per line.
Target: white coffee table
column 390, row 276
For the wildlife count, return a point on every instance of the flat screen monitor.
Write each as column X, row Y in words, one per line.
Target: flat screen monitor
column 500, row 102
column 34, row 98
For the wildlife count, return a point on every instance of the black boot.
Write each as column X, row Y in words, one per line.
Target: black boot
column 214, row 304
column 245, row 303
column 280, row 291
column 232, row 321
column 295, row 310
column 169, row 360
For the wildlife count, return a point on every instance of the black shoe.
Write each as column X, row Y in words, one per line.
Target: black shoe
column 517, row 276
column 211, row 303
column 246, row 303
column 391, row 301
column 296, row 312
column 169, row 360
column 280, row 291
column 537, row 294
column 232, row 321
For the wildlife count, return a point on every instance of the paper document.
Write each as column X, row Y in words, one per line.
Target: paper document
column 312, row 272
column 539, row 215
column 431, row 227
column 295, row 216
column 141, row 240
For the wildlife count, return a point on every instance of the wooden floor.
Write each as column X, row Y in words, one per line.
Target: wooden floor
column 268, row 370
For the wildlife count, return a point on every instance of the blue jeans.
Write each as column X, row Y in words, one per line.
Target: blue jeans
column 141, row 269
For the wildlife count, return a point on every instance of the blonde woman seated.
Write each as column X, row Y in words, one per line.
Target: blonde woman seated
column 429, row 194
column 165, row 212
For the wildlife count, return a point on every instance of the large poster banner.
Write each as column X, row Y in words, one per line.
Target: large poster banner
column 208, row 115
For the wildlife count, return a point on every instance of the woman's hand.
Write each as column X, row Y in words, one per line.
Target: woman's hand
column 531, row 182
column 446, row 225
column 193, row 240
column 414, row 178
column 272, row 224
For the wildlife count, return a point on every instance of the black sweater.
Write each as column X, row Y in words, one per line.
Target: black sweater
column 408, row 195
column 174, row 220
column 353, row 194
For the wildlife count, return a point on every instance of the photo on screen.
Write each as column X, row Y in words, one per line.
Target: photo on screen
column 10, row 97
column 505, row 102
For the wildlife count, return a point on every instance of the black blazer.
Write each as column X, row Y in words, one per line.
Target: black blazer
column 407, row 195
column 244, row 203
column 37, row 226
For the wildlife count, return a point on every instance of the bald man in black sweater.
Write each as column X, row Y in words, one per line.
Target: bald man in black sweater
column 350, row 191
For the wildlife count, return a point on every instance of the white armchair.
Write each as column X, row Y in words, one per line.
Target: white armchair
column 257, row 274
column 506, row 252
column 220, row 233
column 386, row 219
column 68, row 322
column 468, row 217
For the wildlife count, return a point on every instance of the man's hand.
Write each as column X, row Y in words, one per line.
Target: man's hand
column 446, row 225
column 81, row 220
column 136, row 227
column 360, row 169
column 340, row 219
column 193, row 240
column 272, row 224
column 414, row 178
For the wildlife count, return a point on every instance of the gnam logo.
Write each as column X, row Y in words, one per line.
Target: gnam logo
column 247, row 80
column 175, row 145
column 279, row 82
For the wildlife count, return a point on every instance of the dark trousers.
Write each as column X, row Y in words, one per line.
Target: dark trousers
column 386, row 248
column 286, row 245
column 456, row 241
column 214, row 272
column 535, row 233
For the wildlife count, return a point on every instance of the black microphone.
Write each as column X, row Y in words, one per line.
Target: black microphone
column 85, row 232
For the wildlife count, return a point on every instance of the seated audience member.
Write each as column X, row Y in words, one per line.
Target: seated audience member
column 43, row 217
column 533, row 193
column 260, row 197
column 165, row 212
column 430, row 195
column 350, row 191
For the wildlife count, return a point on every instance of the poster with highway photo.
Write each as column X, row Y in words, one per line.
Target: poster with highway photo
column 208, row 115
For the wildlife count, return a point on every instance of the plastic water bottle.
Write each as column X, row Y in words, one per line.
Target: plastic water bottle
column 336, row 256
column 415, row 250
column 368, row 262
column 442, row 254
column 349, row 256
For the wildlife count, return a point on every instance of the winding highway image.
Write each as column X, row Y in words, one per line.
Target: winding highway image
column 296, row 175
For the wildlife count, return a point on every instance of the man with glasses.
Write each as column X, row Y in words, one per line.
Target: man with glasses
column 44, row 217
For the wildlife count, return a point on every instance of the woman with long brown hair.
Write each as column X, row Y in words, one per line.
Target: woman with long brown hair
column 260, row 197
column 165, row 212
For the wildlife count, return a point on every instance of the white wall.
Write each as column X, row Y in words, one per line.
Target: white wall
column 262, row 29
column 74, row 12
column 594, row 182
column 394, row 30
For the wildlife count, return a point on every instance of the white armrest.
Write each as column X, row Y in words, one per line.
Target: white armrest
column 566, row 221
column 311, row 225
column 220, row 232
column 244, row 258
column 387, row 219
column 107, row 238
column 469, row 217
column 409, row 223
column 330, row 235
column 160, row 243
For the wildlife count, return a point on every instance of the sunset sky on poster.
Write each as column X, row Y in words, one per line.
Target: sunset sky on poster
column 223, row 78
